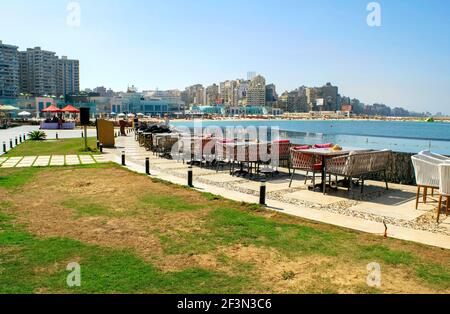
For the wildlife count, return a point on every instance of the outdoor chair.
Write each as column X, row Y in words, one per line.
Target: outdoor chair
column 282, row 149
column 426, row 170
column 305, row 162
column 434, row 158
column 359, row 165
column 223, row 152
column 243, row 155
column 168, row 145
column 444, row 188
column 440, row 158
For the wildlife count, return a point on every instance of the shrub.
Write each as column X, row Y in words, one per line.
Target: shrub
column 37, row 136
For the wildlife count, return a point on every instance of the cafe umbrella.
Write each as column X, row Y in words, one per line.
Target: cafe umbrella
column 24, row 114
column 70, row 109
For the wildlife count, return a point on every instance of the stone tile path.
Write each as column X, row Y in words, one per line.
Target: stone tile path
column 55, row 160
column 368, row 212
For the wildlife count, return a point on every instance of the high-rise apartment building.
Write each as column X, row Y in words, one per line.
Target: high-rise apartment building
column 194, row 94
column 68, row 76
column 294, row 101
column 9, row 70
column 212, row 94
column 331, row 97
column 311, row 96
column 42, row 73
column 271, row 95
column 38, row 73
column 257, row 91
column 229, row 92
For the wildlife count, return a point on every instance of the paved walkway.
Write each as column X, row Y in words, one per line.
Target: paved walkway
column 55, row 160
column 395, row 207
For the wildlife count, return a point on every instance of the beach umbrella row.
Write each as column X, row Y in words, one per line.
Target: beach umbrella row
column 54, row 109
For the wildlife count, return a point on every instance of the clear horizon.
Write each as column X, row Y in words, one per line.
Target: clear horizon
column 173, row 44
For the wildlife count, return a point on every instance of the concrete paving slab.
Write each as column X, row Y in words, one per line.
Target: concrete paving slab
column 86, row 160
column 198, row 172
column 271, row 186
column 72, row 160
column 172, row 165
column 100, row 158
column 57, row 160
column 11, row 162
column 222, row 178
column 315, row 197
column 42, row 161
column 26, row 162
column 3, row 159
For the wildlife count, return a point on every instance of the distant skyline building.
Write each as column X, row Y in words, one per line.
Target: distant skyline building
column 38, row 70
column 330, row 94
column 229, row 92
column 68, row 76
column 257, row 91
column 271, row 95
column 194, row 94
column 9, row 70
column 212, row 94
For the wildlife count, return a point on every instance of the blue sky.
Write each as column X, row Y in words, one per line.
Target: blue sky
column 176, row 43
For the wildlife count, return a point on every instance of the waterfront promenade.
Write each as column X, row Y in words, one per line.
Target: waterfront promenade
column 395, row 207
column 367, row 213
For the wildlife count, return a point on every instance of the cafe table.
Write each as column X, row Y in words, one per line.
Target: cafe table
column 326, row 153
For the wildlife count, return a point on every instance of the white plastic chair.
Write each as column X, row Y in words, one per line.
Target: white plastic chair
column 444, row 187
column 427, row 175
column 440, row 158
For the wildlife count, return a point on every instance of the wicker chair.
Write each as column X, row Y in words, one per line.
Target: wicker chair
column 444, row 187
column 167, row 145
column 359, row 165
column 223, row 153
column 426, row 170
column 305, row 162
column 282, row 149
column 202, row 150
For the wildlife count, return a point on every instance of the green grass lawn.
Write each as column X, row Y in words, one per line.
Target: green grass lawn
column 132, row 234
column 72, row 146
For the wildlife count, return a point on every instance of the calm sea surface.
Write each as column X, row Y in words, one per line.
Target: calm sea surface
column 401, row 136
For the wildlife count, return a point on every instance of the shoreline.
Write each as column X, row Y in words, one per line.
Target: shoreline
column 228, row 119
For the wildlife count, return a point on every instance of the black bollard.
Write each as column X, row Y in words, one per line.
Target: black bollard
column 24, row 137
column 147, row 165
column 20, row 139
column 123, row 158
column 10, row 143
column 82, row 134
column 57, row 136
column 190, row 177
column 101, row 148
column 4, row 147
column 262, row 193
column 98, row 144
column 16, row 141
